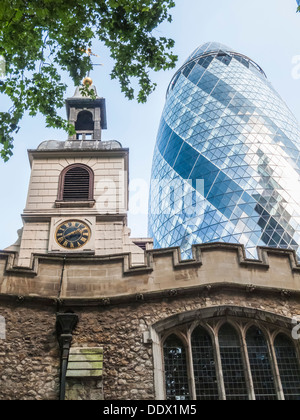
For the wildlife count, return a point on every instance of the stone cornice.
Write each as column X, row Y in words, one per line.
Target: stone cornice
column 45, row 215
column 148, row 297
column 62, row 153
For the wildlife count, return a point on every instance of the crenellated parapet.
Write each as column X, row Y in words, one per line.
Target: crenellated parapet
column 163, row 274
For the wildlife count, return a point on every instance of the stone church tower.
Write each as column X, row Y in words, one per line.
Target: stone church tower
column 78, row 193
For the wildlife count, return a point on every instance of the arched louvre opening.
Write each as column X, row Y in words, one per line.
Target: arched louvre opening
column 204, row 365
column 288, row 366
column 176, row 377
column 232, row 364
column 76, row 183
column 261, row 371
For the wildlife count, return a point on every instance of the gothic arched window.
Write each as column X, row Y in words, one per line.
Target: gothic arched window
column 227, row 357
column 232, row 364
column 262, row 375
column 76, row 183
column 288, row 366
column 204, row 365
column 177, row 387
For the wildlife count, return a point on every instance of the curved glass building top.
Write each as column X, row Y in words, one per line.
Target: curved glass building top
column 207, row 48
column 207, row 52
column 226, row 161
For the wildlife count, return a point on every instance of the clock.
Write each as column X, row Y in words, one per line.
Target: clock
column 72, row 234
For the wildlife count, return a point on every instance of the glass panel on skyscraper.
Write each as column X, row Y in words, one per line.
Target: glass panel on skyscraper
column 224, row 125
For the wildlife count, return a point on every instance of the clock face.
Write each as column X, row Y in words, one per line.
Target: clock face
column 72, row 234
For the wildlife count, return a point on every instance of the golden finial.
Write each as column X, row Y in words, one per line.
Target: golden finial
column 87, row 81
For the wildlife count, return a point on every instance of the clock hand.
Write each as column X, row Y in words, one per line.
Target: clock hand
column 73, row 233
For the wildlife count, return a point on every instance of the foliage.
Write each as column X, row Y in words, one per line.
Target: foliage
column 39, row 38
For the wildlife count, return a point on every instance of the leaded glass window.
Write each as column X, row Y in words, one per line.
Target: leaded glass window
column 227, row 360
column 262, row 375
column 288, row 366
column 177, row 387
column 232, row 364
column 204, row 365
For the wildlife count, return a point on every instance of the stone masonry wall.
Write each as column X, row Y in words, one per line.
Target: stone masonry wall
column 29, row 357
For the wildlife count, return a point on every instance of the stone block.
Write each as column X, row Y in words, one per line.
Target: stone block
column 85, row 362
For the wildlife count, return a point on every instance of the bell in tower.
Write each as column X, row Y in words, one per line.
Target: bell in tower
column 86, row 114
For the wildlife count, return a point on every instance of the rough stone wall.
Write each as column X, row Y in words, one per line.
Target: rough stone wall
column 128, row 365
column 84, row 390
column 29, row 357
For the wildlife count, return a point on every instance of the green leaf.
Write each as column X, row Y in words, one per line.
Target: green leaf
column 39, row 39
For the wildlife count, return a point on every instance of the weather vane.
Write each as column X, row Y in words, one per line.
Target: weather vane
column 87, row 79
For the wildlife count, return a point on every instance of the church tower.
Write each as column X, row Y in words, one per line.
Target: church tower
column 77, row 199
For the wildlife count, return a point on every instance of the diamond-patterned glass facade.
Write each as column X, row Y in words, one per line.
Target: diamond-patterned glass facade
column 226, row 163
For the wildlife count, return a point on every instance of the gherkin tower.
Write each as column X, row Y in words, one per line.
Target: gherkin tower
column 226, row 162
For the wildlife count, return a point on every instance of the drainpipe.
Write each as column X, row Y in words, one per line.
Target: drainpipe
column 60, row 284
column 65, row 324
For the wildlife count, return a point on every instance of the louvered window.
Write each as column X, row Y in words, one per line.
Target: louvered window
column 76, row 183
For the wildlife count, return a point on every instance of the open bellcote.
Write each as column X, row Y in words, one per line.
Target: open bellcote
column 87, row 115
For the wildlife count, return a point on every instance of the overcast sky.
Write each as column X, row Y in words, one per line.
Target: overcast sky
column 266, row 31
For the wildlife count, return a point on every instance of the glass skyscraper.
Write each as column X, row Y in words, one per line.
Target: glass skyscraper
column 226, row 163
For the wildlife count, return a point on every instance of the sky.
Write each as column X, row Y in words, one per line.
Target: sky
column 266, row 31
